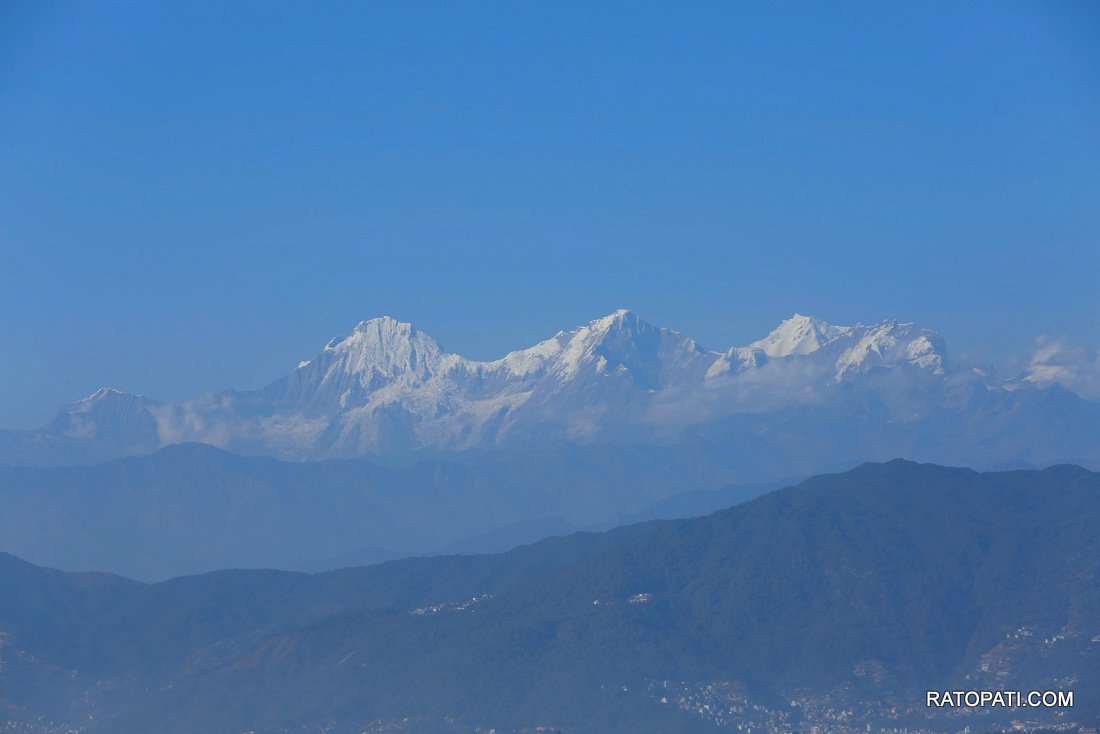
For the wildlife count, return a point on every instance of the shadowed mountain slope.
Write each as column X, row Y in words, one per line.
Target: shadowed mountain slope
column 866, row 588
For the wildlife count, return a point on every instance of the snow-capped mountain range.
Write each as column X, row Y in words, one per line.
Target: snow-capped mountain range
column 389, row 387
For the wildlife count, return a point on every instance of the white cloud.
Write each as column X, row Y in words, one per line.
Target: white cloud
column 1057, row 362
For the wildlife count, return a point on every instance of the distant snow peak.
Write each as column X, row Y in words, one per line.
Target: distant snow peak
column 383, row 324
column 619, row 318
column 384, row 346
column 799, row 335
column 386, row 332
column 735, row 360
column 102, row 393
column 105, row 396
column 841, row 352
column 387, row 386
column 107, row 414
column 620, row 322
column 891, row 344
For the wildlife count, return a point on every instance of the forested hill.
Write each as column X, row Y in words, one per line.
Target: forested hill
column 856, row 591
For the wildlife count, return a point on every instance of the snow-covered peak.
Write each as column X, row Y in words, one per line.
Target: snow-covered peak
column 382, row 323
column 385, row 385
column 618, row 319
column 842, row 352
column 888, row 344
column 384, row 331
column 377, row 353
column 105, row 411
column 105, row 398
column 619, row 342
column 103, row 393
column 799, row 335
column 581, row 346
column 622, row 343
column 620, row 327
column 383, row 346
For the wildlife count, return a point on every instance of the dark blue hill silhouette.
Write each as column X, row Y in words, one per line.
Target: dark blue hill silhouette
column 866, row 588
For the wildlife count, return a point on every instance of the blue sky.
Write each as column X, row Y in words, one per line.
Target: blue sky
column 195, row 196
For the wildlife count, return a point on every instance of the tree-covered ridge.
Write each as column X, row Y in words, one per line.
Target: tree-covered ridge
column 868, row 586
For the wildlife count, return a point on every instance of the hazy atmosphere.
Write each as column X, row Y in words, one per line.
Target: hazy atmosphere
column 549, row 367
column 197, row 196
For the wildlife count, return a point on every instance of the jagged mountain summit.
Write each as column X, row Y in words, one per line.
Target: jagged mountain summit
column 881, row 389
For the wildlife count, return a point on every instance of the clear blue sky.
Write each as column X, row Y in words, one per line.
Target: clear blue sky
column 195, row 196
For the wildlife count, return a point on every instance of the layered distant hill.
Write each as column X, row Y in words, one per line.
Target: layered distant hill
column 191, row 508
column 809, row 396
column 834, row 604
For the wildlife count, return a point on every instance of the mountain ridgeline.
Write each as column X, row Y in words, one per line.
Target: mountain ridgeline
column 849, row 592
column 191, row 508
column 808, row 397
